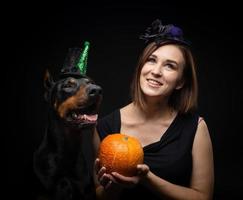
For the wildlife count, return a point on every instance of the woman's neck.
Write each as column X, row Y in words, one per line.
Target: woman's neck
column 153, row 111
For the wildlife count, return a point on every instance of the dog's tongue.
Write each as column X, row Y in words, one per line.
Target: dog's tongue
column 91, row 117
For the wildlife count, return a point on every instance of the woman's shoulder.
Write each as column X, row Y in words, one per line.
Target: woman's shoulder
column 190, row 116
column 189, row 121
column 197, row 121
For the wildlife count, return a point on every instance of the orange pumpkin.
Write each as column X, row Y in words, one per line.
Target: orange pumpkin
column 120, row 153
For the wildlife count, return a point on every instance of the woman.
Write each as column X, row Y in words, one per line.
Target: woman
column 178, row 155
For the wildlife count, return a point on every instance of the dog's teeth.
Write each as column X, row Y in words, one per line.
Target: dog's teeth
column 82, row 117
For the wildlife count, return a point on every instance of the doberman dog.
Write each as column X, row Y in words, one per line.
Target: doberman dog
column 64, row 160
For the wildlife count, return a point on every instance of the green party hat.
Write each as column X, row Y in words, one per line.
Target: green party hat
column 82, row 63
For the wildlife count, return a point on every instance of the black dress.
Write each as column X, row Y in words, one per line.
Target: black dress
column 170, row 158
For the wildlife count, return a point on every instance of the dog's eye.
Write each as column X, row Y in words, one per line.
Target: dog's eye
column 88, row 81
column 69, row 84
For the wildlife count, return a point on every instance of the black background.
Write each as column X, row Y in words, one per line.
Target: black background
column 39, row 34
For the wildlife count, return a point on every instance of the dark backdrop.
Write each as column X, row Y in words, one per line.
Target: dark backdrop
column 40, row 34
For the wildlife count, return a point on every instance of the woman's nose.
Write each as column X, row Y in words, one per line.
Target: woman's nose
column 157, row 71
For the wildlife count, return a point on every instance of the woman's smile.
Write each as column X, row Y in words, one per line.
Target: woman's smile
column 154, row 83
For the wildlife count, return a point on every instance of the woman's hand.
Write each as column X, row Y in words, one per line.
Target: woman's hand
column 117, row 180
column 128, row 182
column 107, row 189
column 102, row 177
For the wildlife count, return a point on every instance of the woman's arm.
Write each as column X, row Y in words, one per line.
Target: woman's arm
column 203, row 165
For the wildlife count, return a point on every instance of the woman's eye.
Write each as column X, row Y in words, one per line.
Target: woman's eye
column 170, row 66
column 151, row 60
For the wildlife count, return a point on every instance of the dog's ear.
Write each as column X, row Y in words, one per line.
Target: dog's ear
column 48, row 85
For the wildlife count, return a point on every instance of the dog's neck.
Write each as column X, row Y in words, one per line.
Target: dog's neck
column 65, row 135
column 70, row 143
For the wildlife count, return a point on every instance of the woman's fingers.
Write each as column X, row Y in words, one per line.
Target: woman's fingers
column 104, row 180
column 108, row 185
column 124, row 180
column 142, row 169
column 110, row 182
column 97, row 165
column 101, row 172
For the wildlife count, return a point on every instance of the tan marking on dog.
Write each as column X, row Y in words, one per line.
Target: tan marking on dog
column 73, row 102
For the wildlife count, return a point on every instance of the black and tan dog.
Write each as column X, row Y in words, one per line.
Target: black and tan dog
column 64, row 160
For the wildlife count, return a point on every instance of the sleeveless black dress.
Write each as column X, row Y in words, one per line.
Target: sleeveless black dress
column 169, row 158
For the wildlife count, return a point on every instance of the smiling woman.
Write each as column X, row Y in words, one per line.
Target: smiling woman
column 162, row 73
column 178, row 156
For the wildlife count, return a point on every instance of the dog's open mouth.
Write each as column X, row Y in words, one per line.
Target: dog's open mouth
column 83, row 115
column 84, row 118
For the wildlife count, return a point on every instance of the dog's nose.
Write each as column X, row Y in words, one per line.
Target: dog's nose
column 94, row 90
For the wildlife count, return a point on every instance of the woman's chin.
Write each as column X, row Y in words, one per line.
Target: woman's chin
column 152, row 94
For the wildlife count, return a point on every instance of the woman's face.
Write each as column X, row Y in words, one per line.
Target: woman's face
column 162, row 72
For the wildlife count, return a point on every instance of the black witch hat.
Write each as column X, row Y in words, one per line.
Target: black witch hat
column 75, row 63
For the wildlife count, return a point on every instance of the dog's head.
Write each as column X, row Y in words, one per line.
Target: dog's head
column 75, row 99
column 74, row 96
